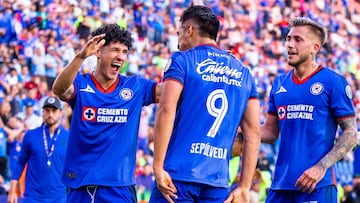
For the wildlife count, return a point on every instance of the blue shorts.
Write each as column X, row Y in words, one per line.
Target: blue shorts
column 326, row 194
column 192, row 192
column 126, row 194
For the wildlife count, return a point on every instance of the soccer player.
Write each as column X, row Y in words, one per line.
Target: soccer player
column 100, row 163
column 43, row 151
column 207, row 93
column 305, row 107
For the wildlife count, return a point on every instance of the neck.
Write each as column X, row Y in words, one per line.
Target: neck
column 206, row 41
column 101, row 80
column 306, row 69
column 52, row 128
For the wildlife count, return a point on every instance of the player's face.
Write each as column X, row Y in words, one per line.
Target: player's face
column 111, row 58
column 300, row 46
column 51, row 116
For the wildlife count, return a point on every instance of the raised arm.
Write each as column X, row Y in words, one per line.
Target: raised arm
column 63, row 83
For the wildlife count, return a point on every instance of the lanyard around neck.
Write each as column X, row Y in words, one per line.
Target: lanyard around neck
column 49, row 151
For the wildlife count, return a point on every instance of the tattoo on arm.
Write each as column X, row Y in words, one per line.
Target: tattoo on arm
column 66, row 95
column 343, row 144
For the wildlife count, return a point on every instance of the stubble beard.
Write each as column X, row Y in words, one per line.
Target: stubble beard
column 302, row 59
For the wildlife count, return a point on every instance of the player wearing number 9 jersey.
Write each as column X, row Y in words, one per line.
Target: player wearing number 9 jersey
column 207, row 93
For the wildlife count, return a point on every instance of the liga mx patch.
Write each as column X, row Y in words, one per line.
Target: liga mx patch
column 348, row 92
column 126, row 94
column 88, row 114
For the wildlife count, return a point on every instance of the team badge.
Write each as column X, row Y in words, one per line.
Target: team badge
column 282, row 112
column 317, row 88
column 348, row 92
column 88, row 114
column 126, row 94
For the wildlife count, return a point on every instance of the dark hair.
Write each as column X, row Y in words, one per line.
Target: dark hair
column 208, row 22
column 114, row 34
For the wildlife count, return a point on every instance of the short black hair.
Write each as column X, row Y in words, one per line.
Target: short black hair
column 114, row 33
column 206, row 19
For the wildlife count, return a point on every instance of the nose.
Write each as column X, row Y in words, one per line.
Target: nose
column 121, row 56
column 289, row 42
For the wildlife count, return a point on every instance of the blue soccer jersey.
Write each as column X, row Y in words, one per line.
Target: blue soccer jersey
column 216, row 90
column 307, row 114
column 104, row 129
column 43, row 174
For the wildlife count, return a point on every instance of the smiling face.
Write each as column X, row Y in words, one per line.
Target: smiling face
column 302, row 45
column 111, row 58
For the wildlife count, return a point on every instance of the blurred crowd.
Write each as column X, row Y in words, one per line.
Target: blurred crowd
column 38, row 38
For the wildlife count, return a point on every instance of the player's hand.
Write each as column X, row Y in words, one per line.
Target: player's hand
column 239, row 195
column 92, row 46
column 12, row 197
column 232, row 53
column 310, row 178
column 165, row 185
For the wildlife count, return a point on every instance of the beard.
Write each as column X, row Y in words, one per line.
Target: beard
column 50, row 122
column 302, row 59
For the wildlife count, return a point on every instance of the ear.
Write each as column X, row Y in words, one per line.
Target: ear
column 191, row 29
column 98, row 53
column 316, row 48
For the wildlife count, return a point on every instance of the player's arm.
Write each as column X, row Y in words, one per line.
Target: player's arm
column 165, row 117
column 250, row 126
column 344, row 143
column 309, row 179
column 12, row 195
column 63, row 85
column 164, row 123
column 158, row 89
column 269, row 131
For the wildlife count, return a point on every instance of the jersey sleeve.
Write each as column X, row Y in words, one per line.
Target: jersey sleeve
column 341, row 98
column 149, row 87
column 254, row 93
column 174, row 68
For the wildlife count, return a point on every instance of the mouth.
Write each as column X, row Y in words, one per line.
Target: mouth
column 116, row 66
column 291, row 53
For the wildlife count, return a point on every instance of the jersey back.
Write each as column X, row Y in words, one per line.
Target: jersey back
column 216, row 90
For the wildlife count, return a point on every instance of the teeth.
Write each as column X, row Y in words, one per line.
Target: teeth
column 116, row 64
